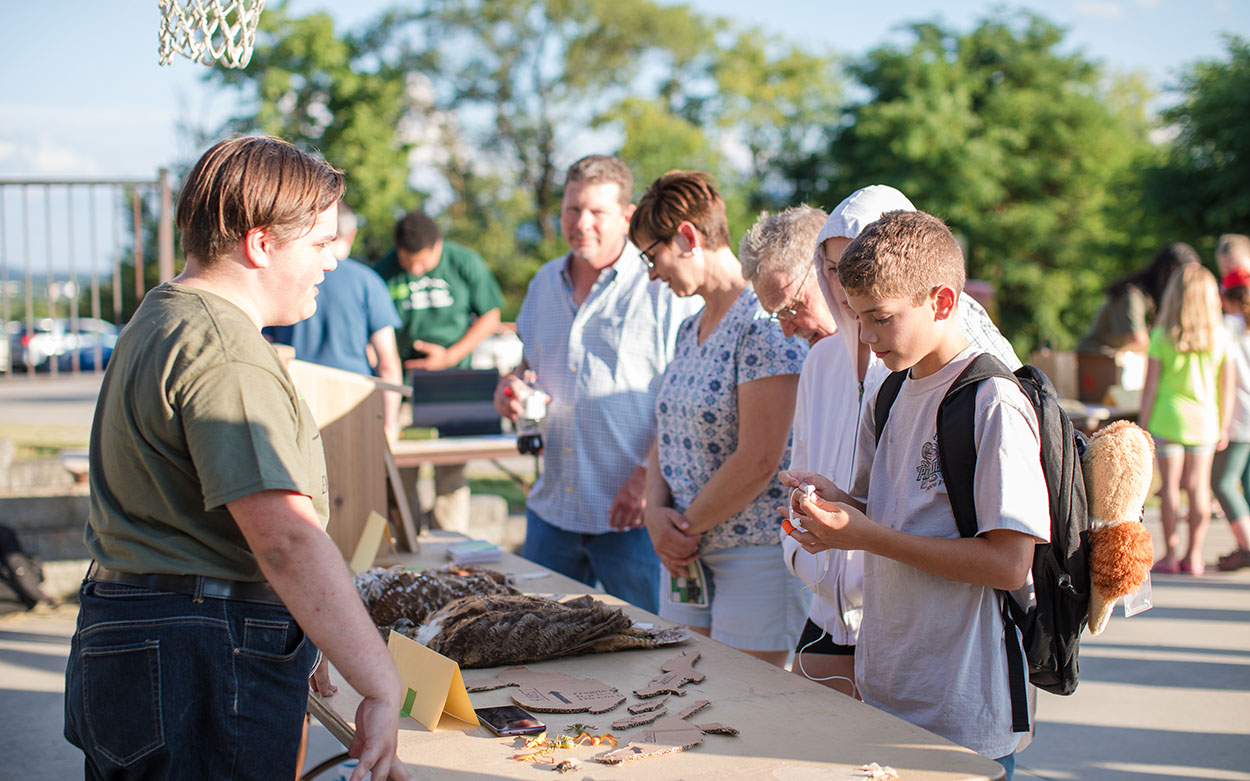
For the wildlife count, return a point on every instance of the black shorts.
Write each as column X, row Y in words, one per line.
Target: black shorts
column 823, row 645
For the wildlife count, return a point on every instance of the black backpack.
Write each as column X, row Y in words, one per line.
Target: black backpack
column 1051, row 630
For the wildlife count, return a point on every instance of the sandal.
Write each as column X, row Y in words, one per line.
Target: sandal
column 1197, row 570
column 1234, row 561
column 1165, row 567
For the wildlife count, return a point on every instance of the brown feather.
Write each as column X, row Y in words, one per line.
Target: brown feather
column 491, row 630
column 395, row 593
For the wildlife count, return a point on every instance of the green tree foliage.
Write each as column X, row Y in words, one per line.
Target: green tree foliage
column 1203, row 188
column 1025, row 151
column 538, row 70
column 330, row 93
column 500, row 96
column 774, row 101
column 743, row 105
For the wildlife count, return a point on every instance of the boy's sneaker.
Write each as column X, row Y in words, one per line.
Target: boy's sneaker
column 1234, row 561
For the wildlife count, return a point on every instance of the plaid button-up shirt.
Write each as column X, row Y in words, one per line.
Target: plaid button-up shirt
column 601, row 363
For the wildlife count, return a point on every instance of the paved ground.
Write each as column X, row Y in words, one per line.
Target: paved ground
column 40, row 399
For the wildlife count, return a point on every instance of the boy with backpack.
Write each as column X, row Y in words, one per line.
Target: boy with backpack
column 932, row 645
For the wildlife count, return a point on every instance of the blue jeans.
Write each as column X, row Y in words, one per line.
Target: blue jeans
column 160, row 686
column 624, row 562
column 1009, row 764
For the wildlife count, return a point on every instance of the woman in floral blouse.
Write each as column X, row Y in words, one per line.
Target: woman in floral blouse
column 724, row 412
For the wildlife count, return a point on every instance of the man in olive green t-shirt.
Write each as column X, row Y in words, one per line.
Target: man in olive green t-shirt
column 213, row 571
column 449, row 303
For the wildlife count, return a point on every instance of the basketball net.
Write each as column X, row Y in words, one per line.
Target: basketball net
column 209, row 30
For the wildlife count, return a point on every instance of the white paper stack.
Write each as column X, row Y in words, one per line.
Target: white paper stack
column 474, row 552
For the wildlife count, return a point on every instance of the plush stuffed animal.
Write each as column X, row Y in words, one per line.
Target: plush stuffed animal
column 1118, row 466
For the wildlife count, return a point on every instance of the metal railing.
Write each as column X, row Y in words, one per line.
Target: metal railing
column 54, row 254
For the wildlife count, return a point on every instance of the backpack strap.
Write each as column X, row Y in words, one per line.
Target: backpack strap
column 957, row 456
column 1016, row 678
column 886, row 394
column 957, row 452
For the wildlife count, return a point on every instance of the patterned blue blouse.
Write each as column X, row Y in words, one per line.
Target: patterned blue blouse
column 697, row 412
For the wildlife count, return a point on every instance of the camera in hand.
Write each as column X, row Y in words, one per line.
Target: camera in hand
column 529, row 440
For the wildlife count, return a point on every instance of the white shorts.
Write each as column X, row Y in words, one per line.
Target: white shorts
column 754, row 603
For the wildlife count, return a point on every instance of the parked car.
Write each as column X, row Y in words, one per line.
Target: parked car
column 55, row 336
column 86, row 357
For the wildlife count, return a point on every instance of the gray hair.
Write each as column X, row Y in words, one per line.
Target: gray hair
column 781, row 243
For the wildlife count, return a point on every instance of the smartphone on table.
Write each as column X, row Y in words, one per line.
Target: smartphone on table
column 509, row 720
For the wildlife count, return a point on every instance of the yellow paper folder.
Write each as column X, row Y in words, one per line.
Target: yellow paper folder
column 432, row 682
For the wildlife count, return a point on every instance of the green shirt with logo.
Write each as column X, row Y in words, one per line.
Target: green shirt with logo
column 438, row 307
column 195, row 411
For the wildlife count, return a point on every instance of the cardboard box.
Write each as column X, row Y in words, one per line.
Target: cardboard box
column 1097, row 372
column 1060, row 367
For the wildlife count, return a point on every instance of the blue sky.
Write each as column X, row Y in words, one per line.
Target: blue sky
column 83, row 94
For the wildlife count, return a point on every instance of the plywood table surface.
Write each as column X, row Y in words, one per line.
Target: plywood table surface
column 410, row 453
column 790, row 728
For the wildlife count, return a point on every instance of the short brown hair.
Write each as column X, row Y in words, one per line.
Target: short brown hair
column 904, row 254
column 602, row 169
column 676, row 197
column 252, row 182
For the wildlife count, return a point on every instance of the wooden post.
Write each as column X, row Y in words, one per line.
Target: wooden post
column 136, row 208
column 165, row 229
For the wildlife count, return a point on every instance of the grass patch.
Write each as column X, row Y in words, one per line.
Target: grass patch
column 500, row 486
column 32, row 441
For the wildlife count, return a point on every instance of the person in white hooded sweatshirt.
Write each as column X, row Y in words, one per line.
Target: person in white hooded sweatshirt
column 837, row 376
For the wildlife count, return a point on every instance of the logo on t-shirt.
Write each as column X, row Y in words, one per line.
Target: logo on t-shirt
column 929, row 472
column 427, row 293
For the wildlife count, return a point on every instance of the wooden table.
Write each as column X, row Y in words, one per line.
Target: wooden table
column 790, row 727
column 1088, row 418
column 412, row 453
column 409, row 454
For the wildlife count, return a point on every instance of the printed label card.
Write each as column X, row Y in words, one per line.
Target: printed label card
column 432, row 682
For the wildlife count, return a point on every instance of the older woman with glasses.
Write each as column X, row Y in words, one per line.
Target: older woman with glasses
column 724, row 412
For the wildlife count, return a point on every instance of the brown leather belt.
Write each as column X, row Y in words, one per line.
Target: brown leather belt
column 197, row 586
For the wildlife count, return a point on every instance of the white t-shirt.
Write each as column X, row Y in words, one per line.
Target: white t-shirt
column 931, row 649
column 826, row 418
column 1239, row 353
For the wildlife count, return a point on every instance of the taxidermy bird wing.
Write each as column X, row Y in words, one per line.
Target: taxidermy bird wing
column 501, row 629
column 395, row 593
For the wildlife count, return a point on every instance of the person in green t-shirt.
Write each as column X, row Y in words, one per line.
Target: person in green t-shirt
column 448, row 302
column 445, row 295
column 213, row 575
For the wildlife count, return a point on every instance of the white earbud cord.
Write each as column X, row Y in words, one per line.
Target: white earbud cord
column 798, row 656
